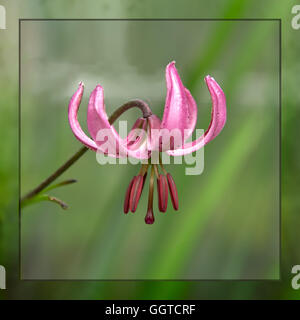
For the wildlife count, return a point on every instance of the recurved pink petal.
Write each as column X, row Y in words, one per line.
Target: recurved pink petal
column 75, row 126
column 137, row 138
column 193, row 112
column 218, row 119
column 136, row 134
column 105, row 135
column 180, row 108
column 153, row 132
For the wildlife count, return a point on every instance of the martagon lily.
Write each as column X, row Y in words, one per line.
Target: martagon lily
column 147, row 135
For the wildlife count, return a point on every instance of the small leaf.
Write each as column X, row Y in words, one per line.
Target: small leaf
column 44, row 197
column 60, row 184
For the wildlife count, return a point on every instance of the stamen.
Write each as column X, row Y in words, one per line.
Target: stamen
column 143, row 172
column 127, row 196
column 156, row 171
column 173, row 191
column 149, row 218
column 144, row 169
column 136, row 192
column 172, row 186
column 161, row 165
column 162, row 192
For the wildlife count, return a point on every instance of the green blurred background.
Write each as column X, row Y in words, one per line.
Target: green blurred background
column 227, row 227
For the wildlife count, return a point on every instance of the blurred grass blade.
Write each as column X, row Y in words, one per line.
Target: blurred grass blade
column 172, row 259
column 60, row 184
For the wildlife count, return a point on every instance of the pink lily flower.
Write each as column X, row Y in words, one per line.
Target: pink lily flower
column 148, row 135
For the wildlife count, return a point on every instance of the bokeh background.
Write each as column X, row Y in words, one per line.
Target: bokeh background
column 227, row 227
column 211, row 236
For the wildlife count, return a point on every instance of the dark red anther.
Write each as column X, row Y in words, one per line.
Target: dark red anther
column 127, row 196
column 149, row 218
column 136, row 192
column 162, row 191
column 173, row 191
column 159, row 194
column 159, row 199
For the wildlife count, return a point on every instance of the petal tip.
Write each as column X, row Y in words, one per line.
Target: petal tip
column 98, row 87
column 98, row 91
column 171, row 64
column 210, row 80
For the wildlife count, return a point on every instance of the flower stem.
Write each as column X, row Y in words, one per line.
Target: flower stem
column 143, row 106
column 131, row 104
column 56, row 174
